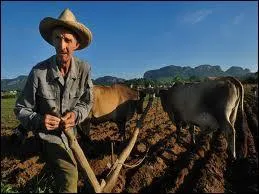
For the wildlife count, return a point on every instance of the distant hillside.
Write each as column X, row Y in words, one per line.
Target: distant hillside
column 237, row 71
column 19, row 82
column 199, row 71
column 165, row 73
column 13, row 84
column 108, row 80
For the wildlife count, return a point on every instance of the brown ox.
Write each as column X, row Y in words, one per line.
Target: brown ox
column 116, row 103
column 210, row 105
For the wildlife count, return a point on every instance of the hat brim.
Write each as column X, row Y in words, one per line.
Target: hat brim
column 48, row 24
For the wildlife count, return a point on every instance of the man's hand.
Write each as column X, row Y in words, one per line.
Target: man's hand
column 51, row 122
column 68, row 121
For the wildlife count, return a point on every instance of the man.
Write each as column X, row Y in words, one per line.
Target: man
column 58, row 95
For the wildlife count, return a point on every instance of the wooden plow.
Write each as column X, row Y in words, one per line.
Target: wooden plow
column 106, row 185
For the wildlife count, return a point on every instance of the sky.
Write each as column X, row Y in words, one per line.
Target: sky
column 130, row 37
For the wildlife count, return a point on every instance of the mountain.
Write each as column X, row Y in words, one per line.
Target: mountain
column 168, row 71
column 13, row 84
column 19, row 82
column 199, row 71
column 207, row 70
column 158, row 74
column 237, row 71
column 108, row 80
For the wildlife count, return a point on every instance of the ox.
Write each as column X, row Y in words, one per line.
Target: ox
column 255, row 91
column 116, row 103
column 210, row 105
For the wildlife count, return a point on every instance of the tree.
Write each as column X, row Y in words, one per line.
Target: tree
column 178, row 78
column 194, row 78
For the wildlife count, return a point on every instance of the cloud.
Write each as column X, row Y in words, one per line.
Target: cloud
column 196, row 16
column 227, row 28
column 238, row 19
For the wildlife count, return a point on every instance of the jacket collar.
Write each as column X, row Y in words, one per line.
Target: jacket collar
column 54, row 72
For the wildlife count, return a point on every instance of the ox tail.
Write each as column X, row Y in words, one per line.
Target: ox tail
column 242, row 98
column 243, row 124
column 240, row 87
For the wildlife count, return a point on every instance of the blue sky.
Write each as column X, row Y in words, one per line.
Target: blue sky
column 132, row 37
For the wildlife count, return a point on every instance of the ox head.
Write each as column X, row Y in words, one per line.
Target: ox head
column 162, row 94
column 141, row 98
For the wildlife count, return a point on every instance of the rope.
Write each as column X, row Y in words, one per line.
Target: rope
column 137, row 113
column 138, row 125
column 128, row 165
column 137, row 163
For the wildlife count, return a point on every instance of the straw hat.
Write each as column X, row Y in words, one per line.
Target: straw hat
column 67, row 20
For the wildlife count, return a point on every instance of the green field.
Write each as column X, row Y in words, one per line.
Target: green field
column 8, row 119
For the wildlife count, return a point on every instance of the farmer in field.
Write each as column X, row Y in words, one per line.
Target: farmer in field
column 58, row 95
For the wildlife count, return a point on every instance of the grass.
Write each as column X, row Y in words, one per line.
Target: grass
column 42, row 184
column 7, row 188
column 8, row 119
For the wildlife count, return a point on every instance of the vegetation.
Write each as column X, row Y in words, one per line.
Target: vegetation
column 161, row 81
column 7, row 188
column 253, row 79
column 10, row 94
column 8, row 119
column 43, row 184
column 5, row 96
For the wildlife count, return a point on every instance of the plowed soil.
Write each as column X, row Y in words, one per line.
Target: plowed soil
column 170, row 165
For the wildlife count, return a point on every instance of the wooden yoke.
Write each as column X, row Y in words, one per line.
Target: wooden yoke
column 108, row 184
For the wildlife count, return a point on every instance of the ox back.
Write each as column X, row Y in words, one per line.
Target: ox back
column 210, row 105
column 116, row 103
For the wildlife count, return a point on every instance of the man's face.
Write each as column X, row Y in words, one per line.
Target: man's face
column 65, row 44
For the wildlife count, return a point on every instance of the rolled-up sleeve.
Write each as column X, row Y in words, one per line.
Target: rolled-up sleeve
column 26, row 104
column 85, row 103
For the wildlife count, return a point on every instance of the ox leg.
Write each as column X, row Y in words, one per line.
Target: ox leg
column 192, row 130
column 204, row 132
column 122, row 130
column 84, row 130
column 179, row 128
column 180, row 125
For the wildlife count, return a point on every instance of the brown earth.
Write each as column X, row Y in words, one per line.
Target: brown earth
column 170, row 165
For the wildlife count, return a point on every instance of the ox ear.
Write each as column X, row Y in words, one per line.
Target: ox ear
column 161, row 91
column 157, row 91
column 142, row 94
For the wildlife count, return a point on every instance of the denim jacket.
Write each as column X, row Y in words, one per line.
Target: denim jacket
column 46, row 89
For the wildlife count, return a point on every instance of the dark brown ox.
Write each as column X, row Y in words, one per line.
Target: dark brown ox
column 255, row 91
column 210, row 105
column 116, row 103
